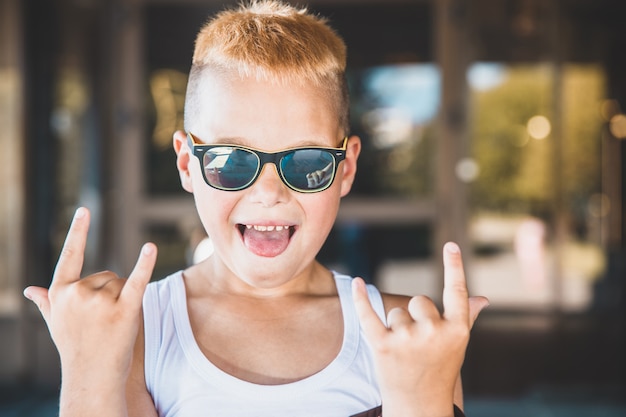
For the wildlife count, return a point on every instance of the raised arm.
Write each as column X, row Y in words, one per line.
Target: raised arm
column 94, row 322
column 420, row 352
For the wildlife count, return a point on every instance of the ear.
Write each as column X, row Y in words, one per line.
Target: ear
column 349, row 164
column 183, row 159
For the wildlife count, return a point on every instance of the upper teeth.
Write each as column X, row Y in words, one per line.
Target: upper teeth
column 266, row 228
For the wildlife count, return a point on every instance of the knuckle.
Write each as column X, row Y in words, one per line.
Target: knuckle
column 68, row 251
column 461, row 331
column 418, row 302
column 460, row 288
column 422, row 299
column 111, row 290
column 79, row 290
column 404, row 332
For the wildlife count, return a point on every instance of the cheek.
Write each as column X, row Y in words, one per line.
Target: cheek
column 213, row 206
column 322, row 210
column 205, row 196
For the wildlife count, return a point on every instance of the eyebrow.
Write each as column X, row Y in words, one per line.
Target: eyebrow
column 239, row 141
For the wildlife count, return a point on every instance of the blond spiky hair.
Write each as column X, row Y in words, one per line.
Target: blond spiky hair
column 271, row 40
column 276, row 42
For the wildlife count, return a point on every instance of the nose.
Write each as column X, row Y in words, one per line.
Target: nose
column 268, row 189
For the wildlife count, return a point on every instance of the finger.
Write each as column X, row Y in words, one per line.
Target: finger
column 398, row 317
column 476, row 305
column 373, row 327
column 138, row 280
column 39, row 296
column 99, row 279
column 455, row 296
column 423, row 308
column 70, row 261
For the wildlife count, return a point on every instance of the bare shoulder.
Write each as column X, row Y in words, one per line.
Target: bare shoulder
column 138, row 399
column 391, row 301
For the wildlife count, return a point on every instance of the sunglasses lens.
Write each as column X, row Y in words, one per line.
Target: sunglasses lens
column 229, row 168
column 308, row 169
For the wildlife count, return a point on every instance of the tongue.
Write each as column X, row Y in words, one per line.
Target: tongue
column 266, row 244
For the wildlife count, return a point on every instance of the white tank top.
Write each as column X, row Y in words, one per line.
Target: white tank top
column 184, row 383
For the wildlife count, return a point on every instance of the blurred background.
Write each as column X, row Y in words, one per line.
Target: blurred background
column 499, row 124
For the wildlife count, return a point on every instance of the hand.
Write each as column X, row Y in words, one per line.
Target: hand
column 93, row 321
column 419, row 355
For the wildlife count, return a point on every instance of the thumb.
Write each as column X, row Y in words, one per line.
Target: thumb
column 476, row 305
column 140, row 276
column 39, row 296
column 371, row 324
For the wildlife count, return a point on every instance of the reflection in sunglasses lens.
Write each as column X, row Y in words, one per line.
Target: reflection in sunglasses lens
column 232, row 168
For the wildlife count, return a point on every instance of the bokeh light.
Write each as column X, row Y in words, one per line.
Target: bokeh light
column 467, row 170
column 538, row 127
column 617, row 126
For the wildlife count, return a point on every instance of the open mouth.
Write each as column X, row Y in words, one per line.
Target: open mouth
column 266, row 229
column 266, row 240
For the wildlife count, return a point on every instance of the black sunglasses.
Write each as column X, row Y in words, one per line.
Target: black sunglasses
column 234, row 167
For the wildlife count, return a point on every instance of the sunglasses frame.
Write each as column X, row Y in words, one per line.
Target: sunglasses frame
column 200, row 149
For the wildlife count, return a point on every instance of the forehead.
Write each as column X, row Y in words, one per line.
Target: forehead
column 263, row 113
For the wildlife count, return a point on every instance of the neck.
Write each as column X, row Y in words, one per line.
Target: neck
column 213, row 277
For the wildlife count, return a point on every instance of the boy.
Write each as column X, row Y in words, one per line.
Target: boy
column 260, row 327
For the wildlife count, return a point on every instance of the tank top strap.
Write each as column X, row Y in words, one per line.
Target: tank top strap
column 344, row 288
column 158, row 320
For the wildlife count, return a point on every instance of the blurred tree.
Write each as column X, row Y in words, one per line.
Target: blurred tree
column 516, row 173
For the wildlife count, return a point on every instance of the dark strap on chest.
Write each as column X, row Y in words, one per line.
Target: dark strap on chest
column 374, row 412
column 378, row 412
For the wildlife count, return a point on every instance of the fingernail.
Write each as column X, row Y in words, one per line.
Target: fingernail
column 452, row 247
column 27, row 294
column 80, row 213
column 147, row 249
